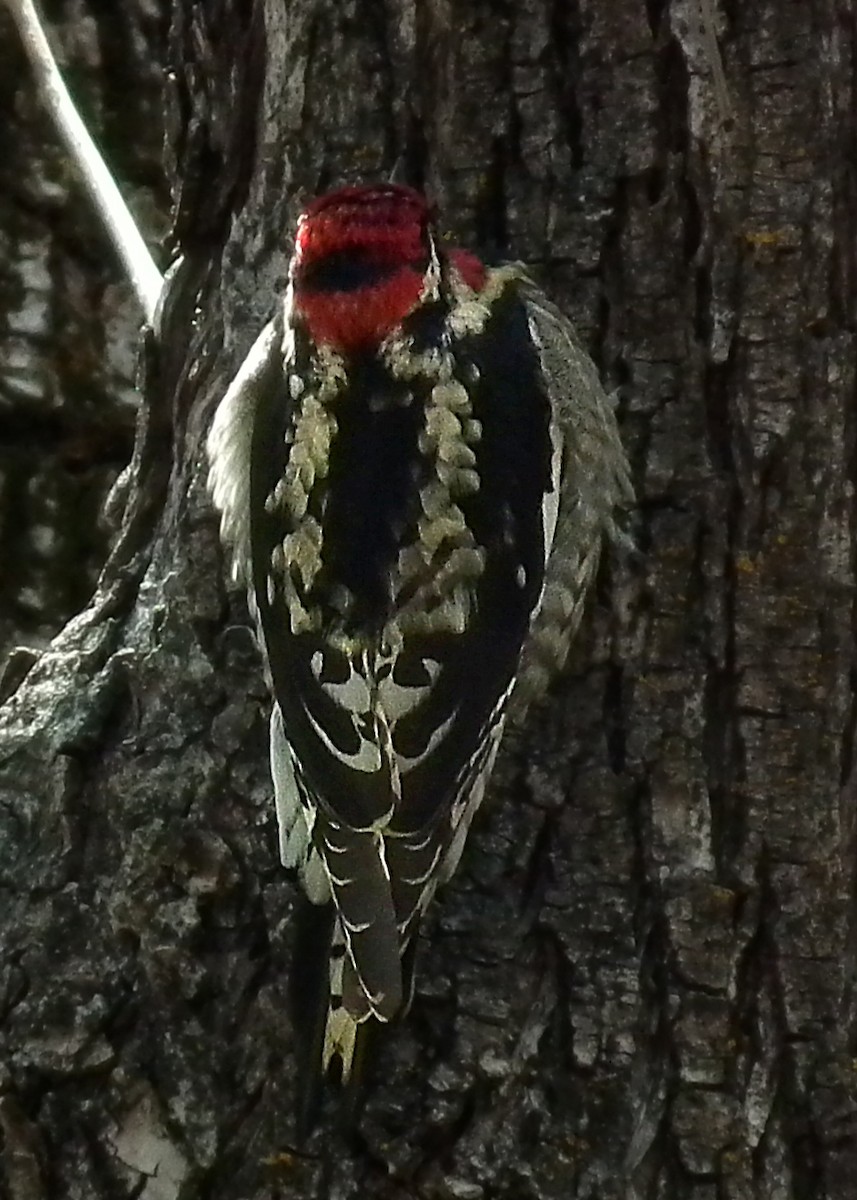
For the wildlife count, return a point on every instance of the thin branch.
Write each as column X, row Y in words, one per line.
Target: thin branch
column 139, row 265
column 708, row 24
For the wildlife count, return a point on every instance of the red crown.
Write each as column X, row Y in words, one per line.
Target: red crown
column 387, row 220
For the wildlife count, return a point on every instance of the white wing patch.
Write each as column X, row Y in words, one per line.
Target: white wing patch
column 287, row 801
column 229, row 442
column 295, row 817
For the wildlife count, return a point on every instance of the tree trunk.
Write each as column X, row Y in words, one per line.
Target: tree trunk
column 640, row 983
column 68, row 324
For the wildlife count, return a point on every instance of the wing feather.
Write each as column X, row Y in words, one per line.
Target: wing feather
column 595, row 486
column 229, row 444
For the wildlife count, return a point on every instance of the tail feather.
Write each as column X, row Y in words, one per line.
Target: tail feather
column 342, row 1021
column 334, row 1020
column 310, row 991
column 360, row 882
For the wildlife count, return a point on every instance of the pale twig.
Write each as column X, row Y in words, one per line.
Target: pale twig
column 708, row 24
column 141, row 268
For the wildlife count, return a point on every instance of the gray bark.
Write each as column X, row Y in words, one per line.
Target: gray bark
column 68, row 326
column 640, row 982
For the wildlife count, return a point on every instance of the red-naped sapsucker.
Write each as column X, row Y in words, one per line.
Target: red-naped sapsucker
column 415, row 468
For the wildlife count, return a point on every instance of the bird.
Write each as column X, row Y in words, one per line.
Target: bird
column 416, row 468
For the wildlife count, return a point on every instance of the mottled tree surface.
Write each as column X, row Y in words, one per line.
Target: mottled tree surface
column 640, row 982
column 68, row 327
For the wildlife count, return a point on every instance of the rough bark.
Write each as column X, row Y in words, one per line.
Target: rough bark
column 68, row 325
column 641, row 982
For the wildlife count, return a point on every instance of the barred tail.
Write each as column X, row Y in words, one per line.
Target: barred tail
column 333, row 1042
column 341, row 1026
